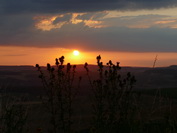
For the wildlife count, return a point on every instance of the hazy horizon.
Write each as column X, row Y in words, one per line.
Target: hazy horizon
column 31, row 56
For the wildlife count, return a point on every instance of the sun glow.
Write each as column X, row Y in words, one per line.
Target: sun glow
column 75, row 57
column 76, row 52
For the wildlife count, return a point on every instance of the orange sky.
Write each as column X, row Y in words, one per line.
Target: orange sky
column 42, row 56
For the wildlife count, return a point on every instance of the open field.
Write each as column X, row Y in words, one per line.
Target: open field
column 155, row 92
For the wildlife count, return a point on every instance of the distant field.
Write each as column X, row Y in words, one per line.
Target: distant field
column 23, row 83
column 165, row 92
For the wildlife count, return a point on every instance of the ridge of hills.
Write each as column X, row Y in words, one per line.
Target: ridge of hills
column 25, row 78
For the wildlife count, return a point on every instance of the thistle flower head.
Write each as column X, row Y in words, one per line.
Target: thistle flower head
column 110, row 62
column 56, row 62
column 68, row 67
column 98, row 59
column 37, row 65
column 85, row 66
column 61, row 60
column 48, row 67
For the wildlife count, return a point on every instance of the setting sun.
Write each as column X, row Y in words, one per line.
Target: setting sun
column 76, row 52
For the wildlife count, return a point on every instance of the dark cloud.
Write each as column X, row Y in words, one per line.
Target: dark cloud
column 17, row 25
column 14, row 28
column 144, row 40
column 133, row 40
column 106, row 39
column 55, row 6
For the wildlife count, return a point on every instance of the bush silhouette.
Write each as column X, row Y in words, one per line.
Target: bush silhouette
column 60, row 92
column 116, row 107
column 112, row 97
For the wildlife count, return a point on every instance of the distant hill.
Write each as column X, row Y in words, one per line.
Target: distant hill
column 173, row 66
column 27, row 76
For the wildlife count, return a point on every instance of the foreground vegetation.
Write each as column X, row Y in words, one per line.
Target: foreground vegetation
column 112, row 105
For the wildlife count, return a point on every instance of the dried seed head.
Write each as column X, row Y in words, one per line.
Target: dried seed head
column 56, row 62
column 85, row 66
column 68, row 67
column 110, row 62
column 37, row 65
column 61, row 60
column 48, row 67
column 98, row 59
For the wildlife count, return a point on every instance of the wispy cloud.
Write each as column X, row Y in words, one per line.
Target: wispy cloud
column 47, row 23
column 165, row 21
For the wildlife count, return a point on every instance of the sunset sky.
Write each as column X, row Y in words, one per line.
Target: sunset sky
column 133, row 32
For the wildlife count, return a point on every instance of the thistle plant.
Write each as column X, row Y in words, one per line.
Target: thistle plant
column 60, row 91
column 112, row 97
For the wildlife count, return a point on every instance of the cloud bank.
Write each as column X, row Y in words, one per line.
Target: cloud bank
column 85, row 24
column 55, row 6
